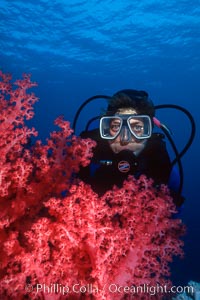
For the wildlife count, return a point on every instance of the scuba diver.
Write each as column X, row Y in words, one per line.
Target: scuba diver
column 126, row 145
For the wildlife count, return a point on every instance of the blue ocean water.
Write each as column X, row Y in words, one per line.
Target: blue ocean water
column 75, row 49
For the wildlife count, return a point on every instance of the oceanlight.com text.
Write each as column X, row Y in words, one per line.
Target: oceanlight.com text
column 111, row 288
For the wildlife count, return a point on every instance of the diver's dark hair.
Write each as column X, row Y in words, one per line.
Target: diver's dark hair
column 139, row 100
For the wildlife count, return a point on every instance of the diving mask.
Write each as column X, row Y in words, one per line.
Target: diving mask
column 138, row 126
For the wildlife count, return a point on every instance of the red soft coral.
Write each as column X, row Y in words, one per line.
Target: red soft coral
column 127, row 237
column 30, row 175
column 77, row 245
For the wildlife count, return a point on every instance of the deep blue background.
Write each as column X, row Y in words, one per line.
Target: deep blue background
column 77, row 49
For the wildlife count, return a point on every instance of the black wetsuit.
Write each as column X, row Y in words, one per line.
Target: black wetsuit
column 108, row 168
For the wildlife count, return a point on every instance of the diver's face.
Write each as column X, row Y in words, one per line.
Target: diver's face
column 125, row 140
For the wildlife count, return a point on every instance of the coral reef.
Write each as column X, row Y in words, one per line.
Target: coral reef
column 59, row 239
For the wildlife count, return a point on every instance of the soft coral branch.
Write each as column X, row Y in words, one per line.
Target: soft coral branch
column 30, row 175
